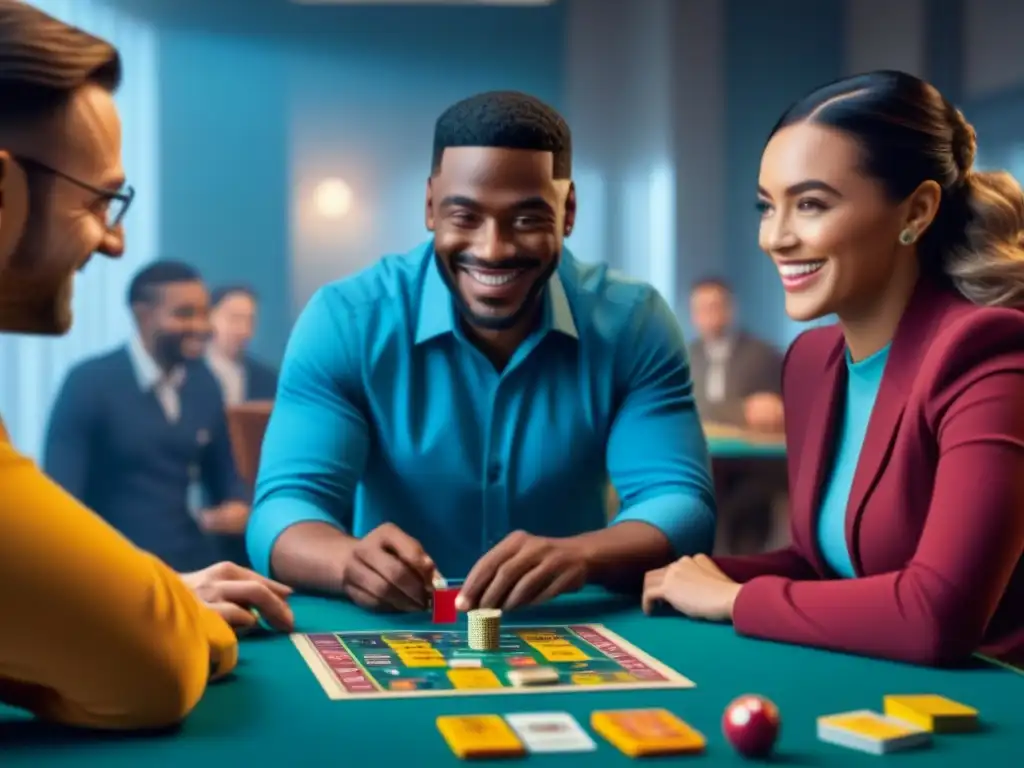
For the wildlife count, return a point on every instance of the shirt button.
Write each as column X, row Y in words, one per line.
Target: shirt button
column 494, row 473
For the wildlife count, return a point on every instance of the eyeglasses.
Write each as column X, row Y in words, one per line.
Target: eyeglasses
column 117, row 202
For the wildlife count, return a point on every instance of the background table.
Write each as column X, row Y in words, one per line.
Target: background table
column 274, row 713
column 753, row 466
column 726, row 442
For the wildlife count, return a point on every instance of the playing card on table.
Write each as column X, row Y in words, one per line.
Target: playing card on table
column 870, row 732
column 639, row 732
column 479, row 736
column 551, row 732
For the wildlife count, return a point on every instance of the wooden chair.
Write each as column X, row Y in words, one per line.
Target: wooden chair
column 247, row 424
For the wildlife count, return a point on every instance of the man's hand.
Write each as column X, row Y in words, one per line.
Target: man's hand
column 230, row 517
column 234, row 591
column 387, row 570
column 523, row 570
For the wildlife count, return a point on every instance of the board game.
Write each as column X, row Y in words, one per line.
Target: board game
column 432, row 662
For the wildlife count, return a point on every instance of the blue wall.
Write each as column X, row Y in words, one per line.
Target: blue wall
column 999, row 122
column 944, row 46
column 253, row 105
column 224, row 170
column 765, row 71
column 256, row 108
column 365, row 113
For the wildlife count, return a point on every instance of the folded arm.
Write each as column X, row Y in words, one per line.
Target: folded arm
column 313, row 456
column 935, row 610
column 657, row 458
column 142, row 643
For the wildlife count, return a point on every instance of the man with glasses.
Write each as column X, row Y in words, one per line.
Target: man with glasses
column 144, row 643
column 109, row 203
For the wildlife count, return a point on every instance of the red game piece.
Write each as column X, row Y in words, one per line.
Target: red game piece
column 751, row 724
column 444, row 606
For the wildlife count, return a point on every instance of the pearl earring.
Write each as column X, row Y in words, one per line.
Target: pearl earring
column 907, row 236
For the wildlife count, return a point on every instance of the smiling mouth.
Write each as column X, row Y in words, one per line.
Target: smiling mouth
column 802, row 269
column 800, row 276
column 494, row 279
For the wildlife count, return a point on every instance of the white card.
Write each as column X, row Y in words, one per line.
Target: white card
column 550, row 732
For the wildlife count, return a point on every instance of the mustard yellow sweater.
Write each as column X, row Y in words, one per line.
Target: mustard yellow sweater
column 93, row 631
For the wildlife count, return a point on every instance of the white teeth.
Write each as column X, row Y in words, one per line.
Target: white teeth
column 799, row 270
column 491, row 279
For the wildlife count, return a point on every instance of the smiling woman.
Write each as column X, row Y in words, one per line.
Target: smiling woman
column 854, row 209
column 872, row 210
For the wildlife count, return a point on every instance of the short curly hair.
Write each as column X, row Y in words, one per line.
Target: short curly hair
column 505, row 119
column 145, row 286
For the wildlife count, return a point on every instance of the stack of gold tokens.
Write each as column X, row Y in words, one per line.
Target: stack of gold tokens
column 484, row 629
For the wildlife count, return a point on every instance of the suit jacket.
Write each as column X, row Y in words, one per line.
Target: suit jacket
column 935, row 521
column 109, row 445
column 260, row 380
column 753, row 366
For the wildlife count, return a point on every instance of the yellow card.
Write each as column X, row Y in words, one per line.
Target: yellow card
column 473, row 678
column 932, row 712
column 868, row 724
column 476, row 736
column 641, row 732
column 560, row 653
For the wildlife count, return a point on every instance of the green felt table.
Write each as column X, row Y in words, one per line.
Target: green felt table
column 738, row 448
column 274, row 712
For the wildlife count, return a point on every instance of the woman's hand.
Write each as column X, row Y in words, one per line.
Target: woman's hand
column 694, row 586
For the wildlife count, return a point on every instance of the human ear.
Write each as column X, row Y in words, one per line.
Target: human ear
column 921, row 208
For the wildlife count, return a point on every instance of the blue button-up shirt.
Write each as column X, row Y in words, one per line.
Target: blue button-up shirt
column 386, row 412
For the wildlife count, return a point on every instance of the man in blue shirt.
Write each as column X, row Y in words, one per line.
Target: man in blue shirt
column 462, row 407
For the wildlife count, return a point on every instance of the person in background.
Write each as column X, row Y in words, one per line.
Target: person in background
column 737, row 377
column 738, row 382
column 461, row 407
column 144, row 642
column 904, row 420
column 135, row 431
column 242, row 377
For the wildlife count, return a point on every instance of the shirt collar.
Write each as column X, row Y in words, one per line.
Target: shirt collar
column 147, row 372
column 223, row 362
column 722, row 345
column 437, row 310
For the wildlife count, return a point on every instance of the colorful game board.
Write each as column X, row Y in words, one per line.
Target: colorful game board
column 588, row 657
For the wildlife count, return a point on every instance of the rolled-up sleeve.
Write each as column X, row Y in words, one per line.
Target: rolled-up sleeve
column 657, row 454
column 314, row 452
